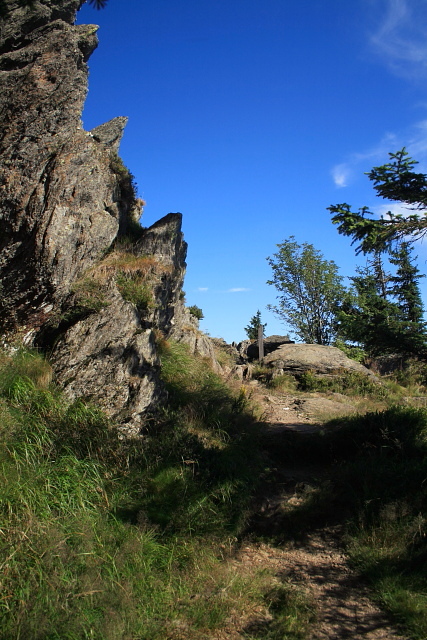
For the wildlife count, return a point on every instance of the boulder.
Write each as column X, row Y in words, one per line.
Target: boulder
column 271, row 343
column 299, row 358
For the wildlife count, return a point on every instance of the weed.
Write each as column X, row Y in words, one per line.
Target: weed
column 291, row 615
column 284, row 383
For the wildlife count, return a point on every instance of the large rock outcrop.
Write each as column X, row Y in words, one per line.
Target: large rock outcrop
column 107, row 352
column 61, row 196
column 299, row 358
column 79, row 277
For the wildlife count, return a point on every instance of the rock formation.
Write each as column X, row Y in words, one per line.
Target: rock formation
column 271, row 343
column 78, row 276
column 299, row 358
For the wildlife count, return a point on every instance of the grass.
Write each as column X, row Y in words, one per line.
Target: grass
column 104, row 538
column 291, row 615
column 107, row 538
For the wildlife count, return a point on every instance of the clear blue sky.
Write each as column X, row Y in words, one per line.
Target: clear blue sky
column 250, row 117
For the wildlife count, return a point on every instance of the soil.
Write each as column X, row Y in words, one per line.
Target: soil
column 314, row 562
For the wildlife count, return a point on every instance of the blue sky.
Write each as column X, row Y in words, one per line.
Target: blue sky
column 250, row 117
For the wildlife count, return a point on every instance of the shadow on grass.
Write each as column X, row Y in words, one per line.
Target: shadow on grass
column 368, row 475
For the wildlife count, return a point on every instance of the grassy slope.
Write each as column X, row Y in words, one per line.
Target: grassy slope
column 102, row 538
column 105, row 538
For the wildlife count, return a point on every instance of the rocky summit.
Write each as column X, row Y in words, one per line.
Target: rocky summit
column 79, row 277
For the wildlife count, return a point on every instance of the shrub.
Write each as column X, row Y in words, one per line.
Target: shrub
column 196, row 312
column 351, row 351
column 351, row 383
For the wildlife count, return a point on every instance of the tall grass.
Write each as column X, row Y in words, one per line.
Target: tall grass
column 104, row 538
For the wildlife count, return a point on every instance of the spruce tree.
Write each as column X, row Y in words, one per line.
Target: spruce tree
column 406, row 292
column 405, row 284
column 370, row 318
column 254, row 324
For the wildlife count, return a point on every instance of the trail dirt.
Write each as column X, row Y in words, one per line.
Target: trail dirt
column 314, row 561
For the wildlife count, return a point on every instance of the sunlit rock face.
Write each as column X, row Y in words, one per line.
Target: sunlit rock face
column 60, row 200
column 72, row 264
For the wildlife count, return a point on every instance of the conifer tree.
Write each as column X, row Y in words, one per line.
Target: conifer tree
column 395, row 181
column 385, row 314
column 370, row 318
column 254, row 324
column 405, row 284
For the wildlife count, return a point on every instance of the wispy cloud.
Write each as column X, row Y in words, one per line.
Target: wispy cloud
column 202, row 289
column 357, row 163
column 237, row 289
column 394, row 207
column 341, row 174
column 401, row 37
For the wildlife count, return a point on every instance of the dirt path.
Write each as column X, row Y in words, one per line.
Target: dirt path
column 314, row 563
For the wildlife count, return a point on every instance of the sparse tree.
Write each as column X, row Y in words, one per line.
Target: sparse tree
column 310, row 290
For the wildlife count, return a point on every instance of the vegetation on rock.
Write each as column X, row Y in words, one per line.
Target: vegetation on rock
column 196, row 312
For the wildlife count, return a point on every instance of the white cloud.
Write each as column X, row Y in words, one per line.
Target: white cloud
column 341, row 174
column 394, row 207
column 237, row 289
column 401, row 37
column 202, row 288
column 360, row 162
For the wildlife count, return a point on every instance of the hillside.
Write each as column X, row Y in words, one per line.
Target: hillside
column 155, row 483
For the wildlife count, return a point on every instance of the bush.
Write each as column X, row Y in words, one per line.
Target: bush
column 351, row 383
column 196, row 312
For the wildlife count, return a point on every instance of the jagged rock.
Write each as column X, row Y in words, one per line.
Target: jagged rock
column 241, row 372
column 165, row 240
column 65, row 200
column 110, row 133
column 241, row 349
column 298, row 358
column 185, row 329
column 110, row 356
column 111, row 359
column 61, row 199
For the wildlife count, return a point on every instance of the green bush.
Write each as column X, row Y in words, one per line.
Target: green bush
column 348, row 382
column 196, row 312
column 352, row 351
